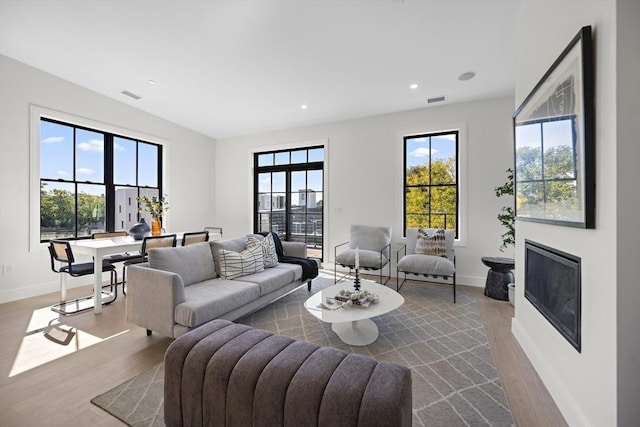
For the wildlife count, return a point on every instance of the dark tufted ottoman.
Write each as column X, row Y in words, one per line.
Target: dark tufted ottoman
column 225, row 374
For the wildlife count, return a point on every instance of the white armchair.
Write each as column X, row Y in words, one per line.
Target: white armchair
column 441, row 263
column 374, row 250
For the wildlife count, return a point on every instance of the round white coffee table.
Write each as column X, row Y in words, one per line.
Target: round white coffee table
column 353, row 325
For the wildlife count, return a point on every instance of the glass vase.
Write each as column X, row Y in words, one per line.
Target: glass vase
column 156, row 226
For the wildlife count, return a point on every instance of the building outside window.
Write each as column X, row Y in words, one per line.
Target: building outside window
column 431, row 191
column 89, row 177
column 288, row 195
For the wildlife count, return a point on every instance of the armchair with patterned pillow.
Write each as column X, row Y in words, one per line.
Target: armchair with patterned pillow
column 428, row 252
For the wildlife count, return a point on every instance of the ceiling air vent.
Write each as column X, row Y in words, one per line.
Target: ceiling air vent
column 438, row 99
column 129, row 94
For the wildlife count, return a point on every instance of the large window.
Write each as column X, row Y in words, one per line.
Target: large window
column 89, row 180
column 431, row 181
column 289, row 195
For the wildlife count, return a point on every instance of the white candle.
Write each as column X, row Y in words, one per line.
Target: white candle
column 357, row 258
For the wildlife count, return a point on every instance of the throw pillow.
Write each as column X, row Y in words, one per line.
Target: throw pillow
column 268, row 248
column 194, row 263
column 431, row 245
column 238, row 264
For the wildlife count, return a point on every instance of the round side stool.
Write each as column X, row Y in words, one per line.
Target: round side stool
column 498, row 277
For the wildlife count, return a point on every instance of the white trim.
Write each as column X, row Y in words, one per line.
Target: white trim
column 36, row 112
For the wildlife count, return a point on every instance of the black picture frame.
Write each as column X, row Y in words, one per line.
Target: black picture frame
column 554, row 142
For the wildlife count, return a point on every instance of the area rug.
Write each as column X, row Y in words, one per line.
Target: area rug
column 455, row 381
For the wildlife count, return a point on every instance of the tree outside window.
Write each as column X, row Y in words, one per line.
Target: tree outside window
column 431, row 183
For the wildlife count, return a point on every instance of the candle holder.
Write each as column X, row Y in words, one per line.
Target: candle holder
column 356, row 283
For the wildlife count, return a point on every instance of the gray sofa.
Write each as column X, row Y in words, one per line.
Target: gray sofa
column 179, row 289
column 226, row 374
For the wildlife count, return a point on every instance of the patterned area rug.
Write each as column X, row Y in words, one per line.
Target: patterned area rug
column 455, row 381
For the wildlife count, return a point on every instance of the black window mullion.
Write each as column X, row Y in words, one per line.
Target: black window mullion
column 108, row 181
column 110, row 192
column 287, row 202
column 288, row 211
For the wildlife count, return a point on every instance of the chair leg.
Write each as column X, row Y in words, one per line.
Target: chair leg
column 335, row 279
column 124, row 291
column 114, row 283
column 148, row 332
column 398, row 284
column 454, row 288
column 388, row 276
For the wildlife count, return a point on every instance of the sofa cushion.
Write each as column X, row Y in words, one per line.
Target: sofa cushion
column 268, row 248
column 368, row 259
column 431, row 243
column 426, row 264
column 238, row 244
column 194, row 263
column 297, row 269
column 238, row 264
column 210, row 299
column 271, row 279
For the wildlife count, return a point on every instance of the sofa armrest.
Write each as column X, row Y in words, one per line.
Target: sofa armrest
column 296, row 249
column 152, row 297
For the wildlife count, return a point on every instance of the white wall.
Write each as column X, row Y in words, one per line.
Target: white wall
column 628, row 212
column 584, row 385
column 364, row 173
column 189, row 176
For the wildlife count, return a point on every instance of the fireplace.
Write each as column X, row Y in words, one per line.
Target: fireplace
column 552, row 285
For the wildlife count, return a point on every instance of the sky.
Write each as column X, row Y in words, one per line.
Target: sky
column 556, row 134
column 57, row 148
column 442, row 147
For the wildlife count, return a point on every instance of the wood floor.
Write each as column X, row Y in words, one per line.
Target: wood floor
column 51, row 366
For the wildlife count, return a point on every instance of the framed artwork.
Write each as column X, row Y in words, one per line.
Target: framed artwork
column 554, row 136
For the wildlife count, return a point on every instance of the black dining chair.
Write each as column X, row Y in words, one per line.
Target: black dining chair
column 60, row 251
column 164, row 241
column 195, row 237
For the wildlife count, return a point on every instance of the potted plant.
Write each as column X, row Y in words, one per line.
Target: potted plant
column 157, row 208
column 507, row 216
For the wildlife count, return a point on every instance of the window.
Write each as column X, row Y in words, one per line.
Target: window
column 546, row 166
column 89, row 177
column 288, row 195
column 431, row 188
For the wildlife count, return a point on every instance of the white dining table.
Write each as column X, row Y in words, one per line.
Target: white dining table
column 99, row 248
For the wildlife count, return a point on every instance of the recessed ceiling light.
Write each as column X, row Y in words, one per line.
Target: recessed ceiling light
column 304, row 107
column 413, row 86
column 151, row 82
column 466, row 76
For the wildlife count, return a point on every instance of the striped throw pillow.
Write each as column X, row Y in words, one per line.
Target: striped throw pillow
column 431, row 244
column 268, row 248
column 238, row 264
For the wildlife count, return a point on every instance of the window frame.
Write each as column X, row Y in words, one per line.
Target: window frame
column 288, row 169
column 37, row 113
column 460, row 179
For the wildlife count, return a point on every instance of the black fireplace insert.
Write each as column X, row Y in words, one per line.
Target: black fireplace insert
column 553, row 285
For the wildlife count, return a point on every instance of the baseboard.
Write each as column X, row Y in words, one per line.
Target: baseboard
column 559, row 393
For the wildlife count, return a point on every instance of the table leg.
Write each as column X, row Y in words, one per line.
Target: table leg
column 357, row 332
column 97, row 284
column 63, row 287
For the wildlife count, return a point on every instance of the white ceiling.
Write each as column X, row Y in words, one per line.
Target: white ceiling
column 230, row 68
